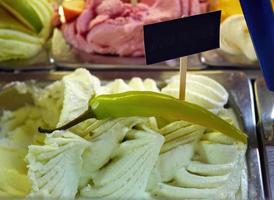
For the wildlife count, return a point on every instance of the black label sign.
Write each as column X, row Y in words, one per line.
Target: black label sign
column 181, row 37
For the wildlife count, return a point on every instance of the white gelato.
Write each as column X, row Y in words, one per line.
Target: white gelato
column 122, row 158
column 196, row 167
column 68, row 98
column 125, row 174
column 55, row 167
column 200, row 90
column 235, row 38
column 135, row 84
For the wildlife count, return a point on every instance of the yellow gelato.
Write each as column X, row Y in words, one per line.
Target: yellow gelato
column 228, row 7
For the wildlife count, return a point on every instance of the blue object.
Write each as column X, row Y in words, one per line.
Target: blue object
column 259, row 17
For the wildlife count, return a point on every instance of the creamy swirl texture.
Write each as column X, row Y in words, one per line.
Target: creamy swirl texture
column 235, row 38
column 119, row 158
column 200, row 90
column 19, row 42
column 197, row 167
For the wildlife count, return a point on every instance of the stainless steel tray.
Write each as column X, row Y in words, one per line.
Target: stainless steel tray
column 265, row 108
column 67, row 57
column 241, row 99
column 218, row 58
column 38, row 62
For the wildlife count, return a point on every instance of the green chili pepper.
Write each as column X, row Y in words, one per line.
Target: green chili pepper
column 151, row 104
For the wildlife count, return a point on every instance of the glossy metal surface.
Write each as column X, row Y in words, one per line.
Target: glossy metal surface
column 218, row 58
column 38, row 62
column 66, row 57
column 265, row 107
column 241, row 99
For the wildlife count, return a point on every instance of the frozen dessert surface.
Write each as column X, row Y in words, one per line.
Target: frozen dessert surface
column 20, row 40
column 119, row 158
column 201, row 90
column 115, row 27
column 235, row 37
column 228, row 7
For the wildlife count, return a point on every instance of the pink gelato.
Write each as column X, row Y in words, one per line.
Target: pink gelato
column 115, row 27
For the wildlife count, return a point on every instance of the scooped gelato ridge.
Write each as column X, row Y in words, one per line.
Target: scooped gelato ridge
column 120, row 157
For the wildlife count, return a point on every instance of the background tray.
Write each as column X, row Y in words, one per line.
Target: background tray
column 241, row 99
column 218, row 58
column 37, row 63
column 66, row 57
column 100, row 62
column 265, row 108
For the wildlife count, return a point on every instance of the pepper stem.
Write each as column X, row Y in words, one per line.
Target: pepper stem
column 86, row 115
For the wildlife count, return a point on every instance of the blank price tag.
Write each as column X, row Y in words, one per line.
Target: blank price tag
column 182, row 37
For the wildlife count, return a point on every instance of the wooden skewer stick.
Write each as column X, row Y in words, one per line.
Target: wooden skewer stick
column 134, row 2
column 183, row 70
